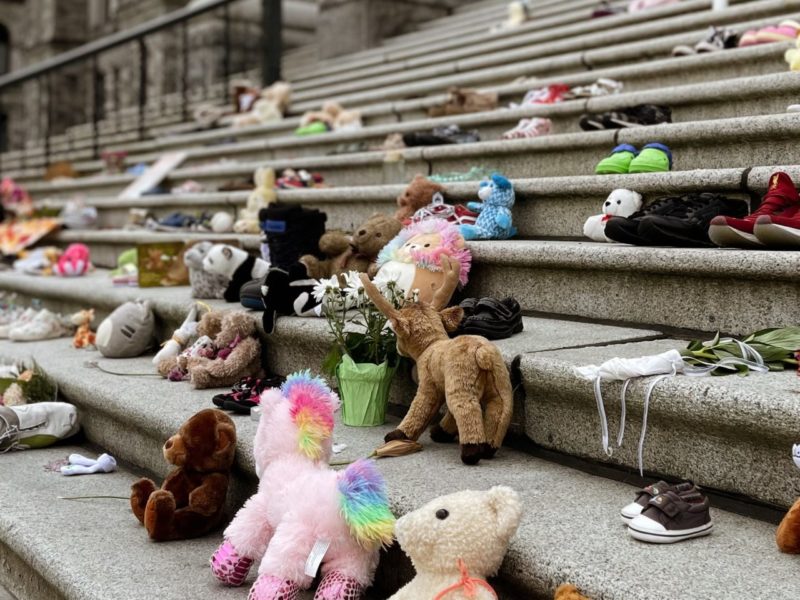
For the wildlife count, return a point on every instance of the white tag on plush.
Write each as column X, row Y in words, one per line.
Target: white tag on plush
column 315, row 557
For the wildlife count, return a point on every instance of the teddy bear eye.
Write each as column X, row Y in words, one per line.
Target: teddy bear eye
column 619, row 201
column 378, row 234
column 427, row 245
column 442, row 514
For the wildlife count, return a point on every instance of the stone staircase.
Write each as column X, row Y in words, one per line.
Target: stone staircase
column 584, row 303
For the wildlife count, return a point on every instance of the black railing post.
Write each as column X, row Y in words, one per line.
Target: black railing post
column 142, row 84
column 95, row 108
column 48, row 117
column 184, row 71
column 272, row 23
column 226, row 59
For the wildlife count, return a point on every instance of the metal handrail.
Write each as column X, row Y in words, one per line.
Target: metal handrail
column 41, row 72
column 111, row 41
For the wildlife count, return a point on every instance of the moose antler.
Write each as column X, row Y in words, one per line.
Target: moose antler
column 377, row 298
column 451, row 269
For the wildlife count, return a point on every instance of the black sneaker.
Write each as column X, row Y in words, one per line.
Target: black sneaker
column 291, row 231
column 691, row 227
column 626, row 229
column 445, row 134
column 632, row 116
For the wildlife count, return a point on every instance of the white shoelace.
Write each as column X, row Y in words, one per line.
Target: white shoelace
column 10, row 432
column 750, row 358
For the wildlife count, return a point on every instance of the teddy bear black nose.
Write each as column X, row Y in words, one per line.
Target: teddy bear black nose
column 442, row 514
column 362, row 232
column 168, row 445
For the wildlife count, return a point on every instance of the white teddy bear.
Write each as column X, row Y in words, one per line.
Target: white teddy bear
column 458, row 537
column 620, row 203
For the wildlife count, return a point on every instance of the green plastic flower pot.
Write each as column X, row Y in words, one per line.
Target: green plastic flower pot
column 364, row 391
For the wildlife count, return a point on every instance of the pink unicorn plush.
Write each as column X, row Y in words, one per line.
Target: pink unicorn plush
column 303, row 507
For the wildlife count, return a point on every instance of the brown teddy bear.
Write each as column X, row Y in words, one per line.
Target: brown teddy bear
column 176, row 367
column 418, row 194
column 238, row 354
column 191, row 500
column 352, row 253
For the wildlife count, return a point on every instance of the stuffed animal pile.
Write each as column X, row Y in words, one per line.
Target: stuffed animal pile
column 226, row 350
column 357, row 252
column 418, row 194
column 302, row 505
column 191, row 500
column 271, row 106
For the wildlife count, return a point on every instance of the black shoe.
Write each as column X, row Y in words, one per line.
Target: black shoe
column 626, row 229
column 632, row 116
column 492, row 319
column 690, row 228
column 291, row 231
column 445, row 134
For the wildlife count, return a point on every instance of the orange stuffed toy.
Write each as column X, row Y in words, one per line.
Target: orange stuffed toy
column 190, row 503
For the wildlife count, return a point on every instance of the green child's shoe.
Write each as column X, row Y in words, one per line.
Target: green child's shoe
column 654, row 158
column 618, row 162
column 313, row 128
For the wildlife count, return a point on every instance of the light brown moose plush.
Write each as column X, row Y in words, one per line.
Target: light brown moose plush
column 468, row 373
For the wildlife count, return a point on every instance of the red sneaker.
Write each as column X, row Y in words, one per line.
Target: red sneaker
column 781, row 200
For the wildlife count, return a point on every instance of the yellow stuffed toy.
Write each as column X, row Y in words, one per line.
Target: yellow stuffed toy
column 793, row 56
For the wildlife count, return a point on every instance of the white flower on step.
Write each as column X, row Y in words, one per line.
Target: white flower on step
column 325, row 286
column 354, row 288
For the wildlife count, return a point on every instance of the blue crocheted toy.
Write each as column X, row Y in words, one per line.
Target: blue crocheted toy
column 494, row 220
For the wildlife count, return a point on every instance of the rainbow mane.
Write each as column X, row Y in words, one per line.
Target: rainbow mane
column 312, row 406
column 365, row 506
column 452, row 245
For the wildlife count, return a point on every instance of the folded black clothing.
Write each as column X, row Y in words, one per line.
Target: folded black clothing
column 445, row 134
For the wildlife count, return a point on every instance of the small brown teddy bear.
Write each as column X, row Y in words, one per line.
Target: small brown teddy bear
column 191, row 500
column 418, row 194
column 352, row 253
column 208, row 328
column 238, row 354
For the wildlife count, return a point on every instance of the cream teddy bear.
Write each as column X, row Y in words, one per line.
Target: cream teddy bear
column 620, row 203
column 458, row 537
column 262, row 196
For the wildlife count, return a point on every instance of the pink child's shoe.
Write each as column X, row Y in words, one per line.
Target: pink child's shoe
column 268, row 587
column 228, row 566
column 336, row 586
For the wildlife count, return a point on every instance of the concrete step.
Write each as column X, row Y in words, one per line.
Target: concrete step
column 552, row 545
column 707, row 144
column 436, row 48
column 624, row 46
column 669, row 73
column 548, row 36
column 551, row 207
column 766, row 94
column 705, row 71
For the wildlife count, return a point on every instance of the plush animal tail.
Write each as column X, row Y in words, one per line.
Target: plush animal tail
column 490, row 360
column 365, row 506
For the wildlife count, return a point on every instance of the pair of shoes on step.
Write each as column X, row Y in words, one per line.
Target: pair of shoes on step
column 674, row 220
column 664, row 514
column 491, row 318
column 716, row 40
column 34, row 325
column 625, row 158
column 246, row 394
column 775, row 223
column 632, row 116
